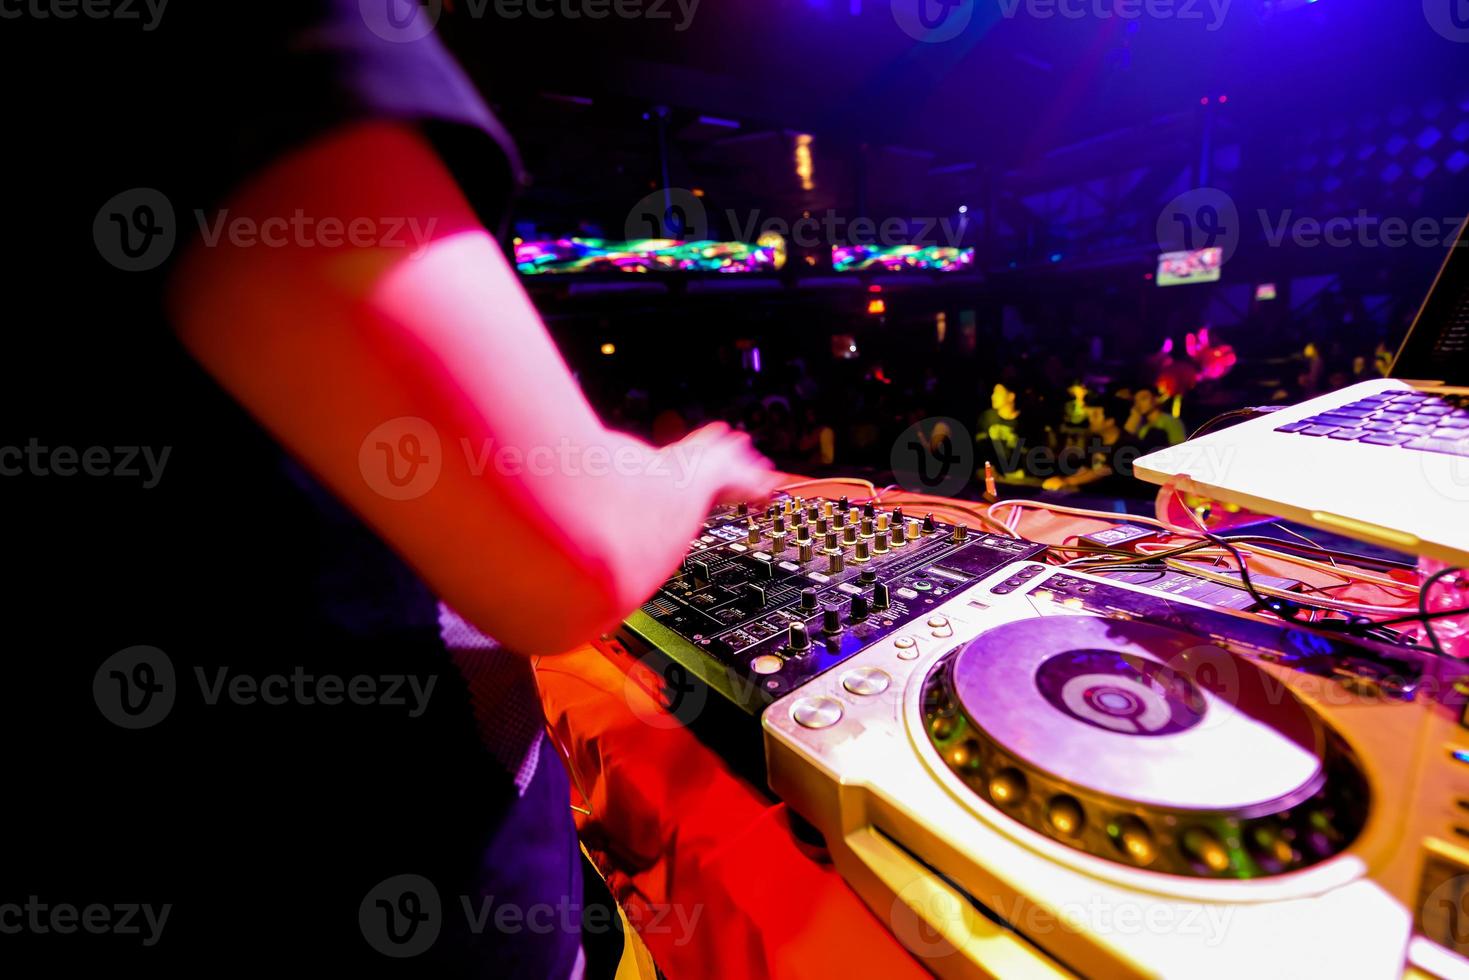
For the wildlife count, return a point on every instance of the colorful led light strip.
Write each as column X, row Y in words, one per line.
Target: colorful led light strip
column 584, row 255
column 901, row 258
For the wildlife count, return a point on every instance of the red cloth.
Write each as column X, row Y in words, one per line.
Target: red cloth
column 705, row 864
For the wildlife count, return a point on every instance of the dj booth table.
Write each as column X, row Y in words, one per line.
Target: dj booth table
column 711, row 870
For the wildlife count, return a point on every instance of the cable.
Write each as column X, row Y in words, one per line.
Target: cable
column 843, row 480
column 1242, row 414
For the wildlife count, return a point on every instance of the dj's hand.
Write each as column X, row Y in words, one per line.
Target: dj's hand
column 724, row 464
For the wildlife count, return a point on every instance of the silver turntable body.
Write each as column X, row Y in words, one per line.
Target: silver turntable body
column 1056, row 774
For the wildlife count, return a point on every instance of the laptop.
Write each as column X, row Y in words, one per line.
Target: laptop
column 1383, row 461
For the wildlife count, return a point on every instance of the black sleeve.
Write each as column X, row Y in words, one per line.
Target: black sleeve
column 220, row 88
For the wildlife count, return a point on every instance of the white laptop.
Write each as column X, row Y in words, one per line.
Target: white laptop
column 1383, row 461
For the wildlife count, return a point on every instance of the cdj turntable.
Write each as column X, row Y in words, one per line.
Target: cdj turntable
column 1050, row 773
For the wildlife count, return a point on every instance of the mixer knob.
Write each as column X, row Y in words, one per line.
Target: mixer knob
column 854, row 516
column 898, row 516
column 832, row 542
column 808, row 600
column 813, row 512
column 900, row 535
column 844, row 504
column 805, row 551
column 798, row 519
column 772, row 510
column 803, row 532
column 779, row 526
column 869, row 509
column 867, row 577
column 839, row 519
column 822, row 525
column 849, row 535
column 826, row 508
column 882, row 522
column 752, row 534
column 880, row 543
column 863, row 553
column 834, row 562
column 831, row 619
column 881, row 599
column 787, row 506
column 797, row 638
column 961, row 531
column 867, row 528
column 859, row 608
column 742, row 510
column 929, row 524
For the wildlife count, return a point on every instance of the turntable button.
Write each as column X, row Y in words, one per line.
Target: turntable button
column 818, row 712
column 907, row 648
column 1065, row 816
column 938, row 622
column 1134, row 839
column 1007, row 787
column 1204, row 846
column 866, row 680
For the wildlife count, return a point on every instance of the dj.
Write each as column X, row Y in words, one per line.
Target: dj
column 449, row 467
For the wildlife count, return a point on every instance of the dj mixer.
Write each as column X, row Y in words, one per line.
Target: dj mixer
column 765, row 601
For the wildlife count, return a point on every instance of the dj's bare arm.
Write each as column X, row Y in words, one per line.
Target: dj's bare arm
column 536, row 499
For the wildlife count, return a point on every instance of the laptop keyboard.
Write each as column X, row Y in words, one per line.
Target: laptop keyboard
column 1410, row 419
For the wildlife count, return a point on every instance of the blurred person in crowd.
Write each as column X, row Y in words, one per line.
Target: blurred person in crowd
column 1000, row 435
column 817, row 443
column 1153, row 427
column 1111, row 451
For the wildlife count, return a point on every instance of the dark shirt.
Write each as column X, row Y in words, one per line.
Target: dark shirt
column 264, row 826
